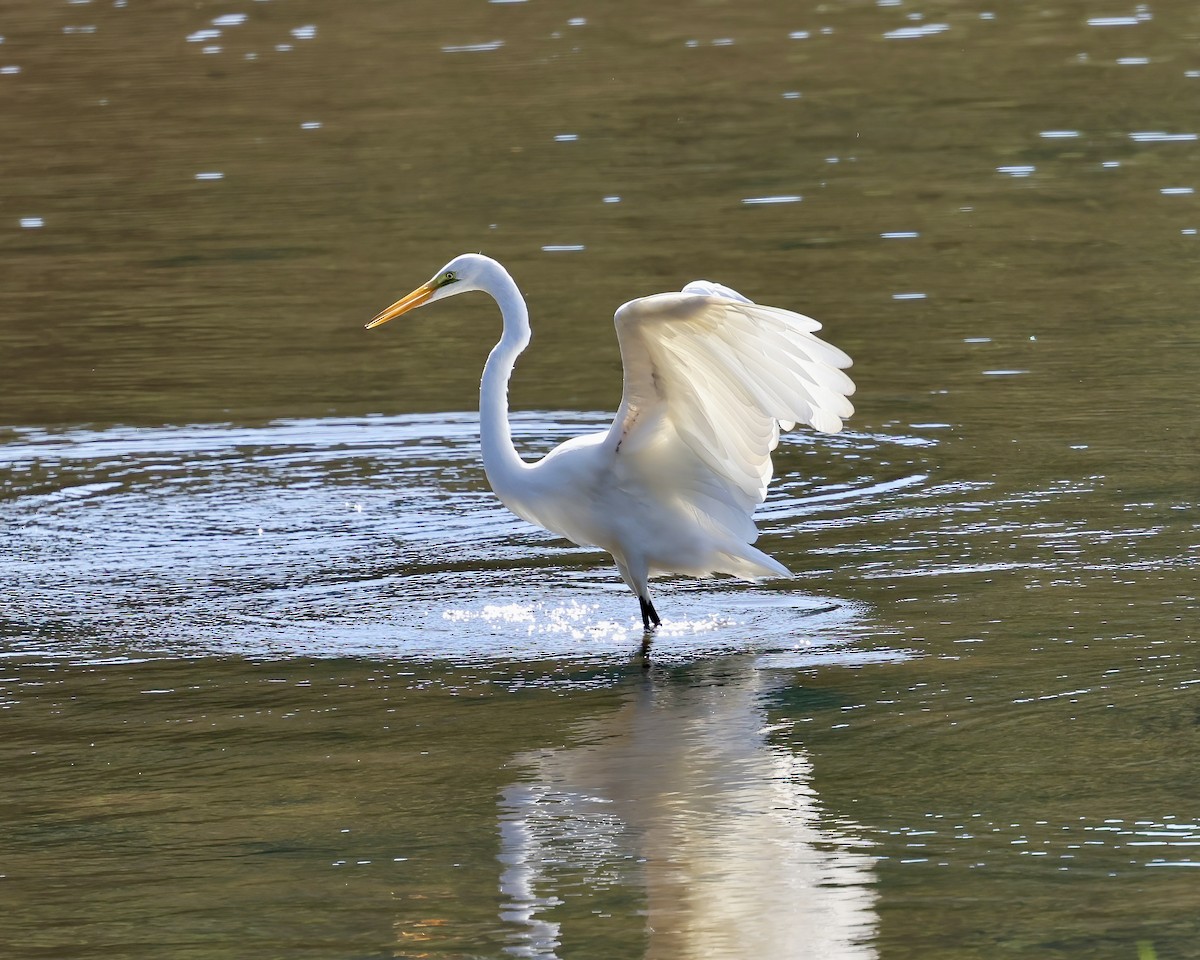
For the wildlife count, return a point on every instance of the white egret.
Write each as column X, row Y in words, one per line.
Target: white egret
column 710, row 380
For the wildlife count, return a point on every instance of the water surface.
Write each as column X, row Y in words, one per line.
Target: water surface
column 280, row 677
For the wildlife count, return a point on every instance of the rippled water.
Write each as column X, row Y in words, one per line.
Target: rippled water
column 344, row 538
column 278, row 676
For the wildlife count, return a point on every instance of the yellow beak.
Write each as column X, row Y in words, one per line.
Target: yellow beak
column 404, row 304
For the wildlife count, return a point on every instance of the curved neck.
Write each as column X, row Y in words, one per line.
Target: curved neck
column 501, row 462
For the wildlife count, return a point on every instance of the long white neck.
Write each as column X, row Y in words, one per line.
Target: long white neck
column 501, row 462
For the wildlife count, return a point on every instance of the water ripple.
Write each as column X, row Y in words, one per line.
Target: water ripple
column 361, row 536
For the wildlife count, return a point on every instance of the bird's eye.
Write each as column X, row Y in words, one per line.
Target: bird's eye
column 448, row 277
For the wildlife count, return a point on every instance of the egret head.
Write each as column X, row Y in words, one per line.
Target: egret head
column 460, row 275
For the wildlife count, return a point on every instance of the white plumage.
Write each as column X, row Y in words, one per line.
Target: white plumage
column 710, row 380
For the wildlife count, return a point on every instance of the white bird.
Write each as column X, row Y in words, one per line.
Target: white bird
column 710, row 380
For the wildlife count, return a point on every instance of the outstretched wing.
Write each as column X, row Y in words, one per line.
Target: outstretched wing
column 710, row 379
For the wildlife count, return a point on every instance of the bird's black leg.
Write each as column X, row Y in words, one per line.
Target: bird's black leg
column 649, row 614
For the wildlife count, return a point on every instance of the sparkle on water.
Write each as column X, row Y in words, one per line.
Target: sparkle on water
column 281, row 678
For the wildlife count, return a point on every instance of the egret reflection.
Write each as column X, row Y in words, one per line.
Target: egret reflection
column 680, row 803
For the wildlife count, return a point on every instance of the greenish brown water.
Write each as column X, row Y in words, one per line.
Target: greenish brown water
column 280, row 678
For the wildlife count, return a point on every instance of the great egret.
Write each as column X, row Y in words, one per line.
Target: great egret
column 710, row 380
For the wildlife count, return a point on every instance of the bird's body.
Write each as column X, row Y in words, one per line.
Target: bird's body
column 670, row 487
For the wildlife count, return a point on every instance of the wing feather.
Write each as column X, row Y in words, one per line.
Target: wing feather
column 710, row 380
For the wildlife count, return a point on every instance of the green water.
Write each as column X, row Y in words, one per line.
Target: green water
column 281, row 679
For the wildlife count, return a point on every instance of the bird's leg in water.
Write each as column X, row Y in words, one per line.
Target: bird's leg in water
column 649, row 614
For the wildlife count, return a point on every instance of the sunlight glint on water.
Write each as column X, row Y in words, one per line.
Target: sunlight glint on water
column 300, row 687
column 331, row 537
